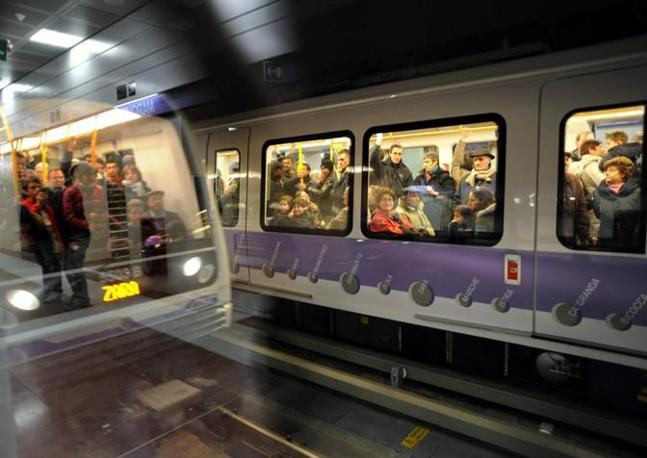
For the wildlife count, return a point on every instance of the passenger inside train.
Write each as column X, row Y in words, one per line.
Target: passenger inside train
column 601, row 207
column 227, row 186
column 307, row 198
column 443, row 179
column 72, row 219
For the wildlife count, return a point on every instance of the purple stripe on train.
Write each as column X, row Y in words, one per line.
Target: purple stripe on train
column 451, row 269
column 598, row 285
column 402, row 262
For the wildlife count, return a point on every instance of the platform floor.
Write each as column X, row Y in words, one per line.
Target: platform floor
column 149, row 395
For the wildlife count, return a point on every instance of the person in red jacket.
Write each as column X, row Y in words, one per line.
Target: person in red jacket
column 81, row 197
column 40, row 231
column 385, row 220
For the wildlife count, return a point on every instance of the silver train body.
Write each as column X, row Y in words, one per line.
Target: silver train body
column 534, row 97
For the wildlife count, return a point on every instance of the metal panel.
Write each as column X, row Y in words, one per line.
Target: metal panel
column 563, row 274
column 224, row 139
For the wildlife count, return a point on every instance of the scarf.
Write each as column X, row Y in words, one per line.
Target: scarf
column 615, row 188
column 483, row 175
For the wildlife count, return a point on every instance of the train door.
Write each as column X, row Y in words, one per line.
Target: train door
column 227, row 169
column 591, row 263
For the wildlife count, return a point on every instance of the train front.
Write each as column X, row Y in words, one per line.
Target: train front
column 107, row 225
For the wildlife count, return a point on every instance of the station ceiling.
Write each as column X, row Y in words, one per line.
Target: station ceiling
column 256, row 53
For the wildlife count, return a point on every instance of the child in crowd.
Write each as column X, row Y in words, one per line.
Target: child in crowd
column 281, row 217
column 463, row 223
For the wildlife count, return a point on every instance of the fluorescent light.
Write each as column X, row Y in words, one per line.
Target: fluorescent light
column 54, row 38
column 57, row 134
column 9, row 91
column 29, row 143
column 88, row 48
column 113, row 117
column 84, row 126
column 637, row 113
column 16, row 87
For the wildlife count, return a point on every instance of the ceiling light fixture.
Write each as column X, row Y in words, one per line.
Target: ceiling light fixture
column 54, row 38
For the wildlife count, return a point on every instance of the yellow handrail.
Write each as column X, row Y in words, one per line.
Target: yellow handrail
column 14, row 159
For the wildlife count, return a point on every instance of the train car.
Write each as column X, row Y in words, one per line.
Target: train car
column 520, row 272
column 107, row 226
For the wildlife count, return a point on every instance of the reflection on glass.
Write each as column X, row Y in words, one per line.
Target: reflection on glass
column 103, row 203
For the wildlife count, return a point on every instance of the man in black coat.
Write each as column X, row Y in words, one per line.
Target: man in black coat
column 390, row 172
column 343, row 181
column 436, row 187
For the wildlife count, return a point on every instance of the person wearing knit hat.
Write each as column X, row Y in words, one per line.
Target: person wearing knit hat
column 319, row 190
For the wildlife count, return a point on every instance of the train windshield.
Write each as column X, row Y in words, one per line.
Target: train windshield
column 101, row 212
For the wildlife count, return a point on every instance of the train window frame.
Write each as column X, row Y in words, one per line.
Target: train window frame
column 561, row 179
column 495, row 118
column 264, row 175
column 216, row 152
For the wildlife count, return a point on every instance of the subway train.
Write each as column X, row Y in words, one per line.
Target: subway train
column 141, row 248
column 521, row 279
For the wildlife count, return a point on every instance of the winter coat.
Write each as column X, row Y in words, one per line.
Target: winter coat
column 393, row 225
column 437, row 208
column 619, row 215
column 337, row 191
column 630, row 150
column 590, row 173
column 397, row 177
column 38, row 224
column 464, row 188
column 77, row 201
column 484, row 220
column 574, row 223
column 416, row 216
column 320, row 194
column 340, row 221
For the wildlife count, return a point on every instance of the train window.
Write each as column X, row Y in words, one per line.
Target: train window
column 601, row 205
column 308, row 184
column 227, row 185
column 436, row 181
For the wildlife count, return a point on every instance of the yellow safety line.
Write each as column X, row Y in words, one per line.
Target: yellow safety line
column 268, row 433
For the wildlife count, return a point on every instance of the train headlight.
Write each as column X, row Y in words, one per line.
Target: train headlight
column 22, row 300
column 192, row 266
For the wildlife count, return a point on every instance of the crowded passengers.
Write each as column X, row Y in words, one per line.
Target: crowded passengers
column 400, row 203
column 456, row 200
column 77, row 210
column 299, row 198
column 601, row 193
